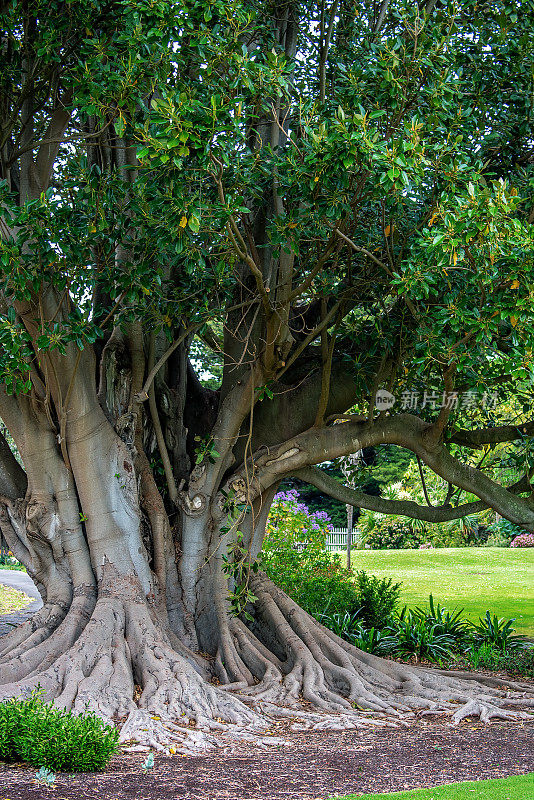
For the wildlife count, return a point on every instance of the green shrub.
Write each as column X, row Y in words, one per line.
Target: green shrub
column 496, row 632
column 343, row 625
column 44, row 736
column 378, row 598
column 294, row 556
column 373, row 641
column 413, row 636
column 483, row 656
column 393, row 533
column 518, row 662
column 501, row 533
column 446, row 622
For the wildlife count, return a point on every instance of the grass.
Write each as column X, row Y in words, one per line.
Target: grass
column 519, row 787
column 11, row 600
column 473, row 578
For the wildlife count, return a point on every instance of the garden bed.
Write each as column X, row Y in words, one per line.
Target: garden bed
column 316, row 765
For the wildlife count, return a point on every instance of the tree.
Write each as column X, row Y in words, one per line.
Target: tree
column 331, row 200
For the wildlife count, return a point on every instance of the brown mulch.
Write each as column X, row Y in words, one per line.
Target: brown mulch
column 315, row 765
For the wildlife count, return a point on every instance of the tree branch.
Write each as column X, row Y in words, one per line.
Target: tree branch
column 408, row 508
column 480, row 436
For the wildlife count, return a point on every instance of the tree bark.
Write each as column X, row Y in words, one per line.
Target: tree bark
column 137, row 623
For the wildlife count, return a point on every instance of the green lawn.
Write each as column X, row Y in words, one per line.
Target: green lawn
column 11, row 600
column 473, row 578
column 520, row 787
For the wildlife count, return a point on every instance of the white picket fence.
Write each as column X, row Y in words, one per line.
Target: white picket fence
column 337, row 539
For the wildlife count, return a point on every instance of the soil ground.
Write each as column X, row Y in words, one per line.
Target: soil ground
column 314, row 765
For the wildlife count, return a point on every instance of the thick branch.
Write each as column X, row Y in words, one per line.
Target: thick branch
column 405, row 430
column 481, row 436
column 325, row 483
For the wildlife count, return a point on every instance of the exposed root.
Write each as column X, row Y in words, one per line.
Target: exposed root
column 120, row 646
column 34, row 630
column 99, row 654
column 292, row 656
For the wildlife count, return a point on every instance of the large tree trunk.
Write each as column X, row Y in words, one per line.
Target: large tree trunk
column 137, row 623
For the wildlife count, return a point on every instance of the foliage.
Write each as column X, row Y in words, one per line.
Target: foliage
column 8, row 561
column 373, row 640
column 443, row 621
column 519, row 661
column 496, row 632
column 419, row 637
column 54, row 739
column 381, row 532
column 501, row 533
column 342, row 624
column 523, row 540
column 432, row 633
column 294, row 556
column 378, row 598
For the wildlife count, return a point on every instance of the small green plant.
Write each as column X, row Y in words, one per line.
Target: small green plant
column 378, row 598
column 149, row 763
column 519, row 662
column 45, row 777
column 205, row 449
column 496, row 632
column 483, row 656
column 413, row 636
column 54, row 739
column 446, row 622
column 374, row 641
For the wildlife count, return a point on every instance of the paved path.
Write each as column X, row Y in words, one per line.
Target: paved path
column 21, row 581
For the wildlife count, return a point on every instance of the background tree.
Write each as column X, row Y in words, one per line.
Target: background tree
column 332, row 199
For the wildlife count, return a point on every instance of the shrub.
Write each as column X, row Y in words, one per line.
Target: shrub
column 378, row 598
column 518, row 662
column 446, row 622
column 483, row 656
column 343, row 625
column 393, row 534
column 413, row 636
column 294, row 556
column 373, row 641
column 523, row 540
column 501, row 533
column 8, row 560
column 496, row 632
column 38, row 733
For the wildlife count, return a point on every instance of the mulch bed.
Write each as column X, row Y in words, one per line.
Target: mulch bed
column 315, row 765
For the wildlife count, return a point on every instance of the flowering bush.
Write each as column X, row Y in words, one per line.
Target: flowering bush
column 523, row 540
column 295, row 557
